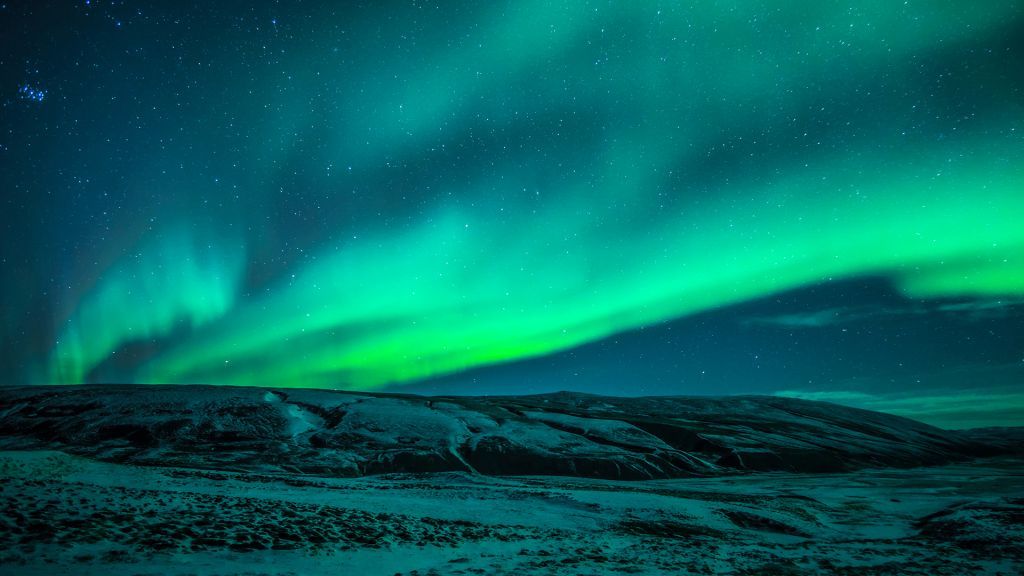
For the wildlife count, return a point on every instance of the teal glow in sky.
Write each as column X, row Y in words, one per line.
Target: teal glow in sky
column 365, row 197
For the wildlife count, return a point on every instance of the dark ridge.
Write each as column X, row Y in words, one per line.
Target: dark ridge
column 330, row 433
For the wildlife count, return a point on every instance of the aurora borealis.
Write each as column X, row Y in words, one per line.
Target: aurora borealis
column 413, row 195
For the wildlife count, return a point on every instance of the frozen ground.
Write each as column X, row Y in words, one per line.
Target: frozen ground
column 335, row 434
column 62, row 514
column 205, row 480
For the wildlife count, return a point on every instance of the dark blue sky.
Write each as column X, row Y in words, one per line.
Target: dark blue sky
column 519, row 197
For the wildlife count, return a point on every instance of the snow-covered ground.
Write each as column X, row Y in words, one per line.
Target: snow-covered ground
column 119, row 480
column 331, row 433
column 62, row 514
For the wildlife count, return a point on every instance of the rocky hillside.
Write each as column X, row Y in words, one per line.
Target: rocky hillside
column 352, row 434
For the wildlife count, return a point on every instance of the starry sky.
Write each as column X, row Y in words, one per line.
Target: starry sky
column 809, row 198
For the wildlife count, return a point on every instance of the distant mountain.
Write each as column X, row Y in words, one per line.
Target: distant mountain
column 1007, row 439
column 351, row 434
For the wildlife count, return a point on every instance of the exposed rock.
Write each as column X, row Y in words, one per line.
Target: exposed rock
column 350, row 434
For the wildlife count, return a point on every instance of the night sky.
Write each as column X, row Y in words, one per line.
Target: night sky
column 808, row 198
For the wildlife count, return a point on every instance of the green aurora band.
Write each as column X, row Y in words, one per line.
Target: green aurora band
column 547, row 253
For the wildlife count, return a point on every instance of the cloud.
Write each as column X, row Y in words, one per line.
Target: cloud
column 831, row 316
column 982, row 309
column 951, row 409
column 826, row 317
column 837, row 396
